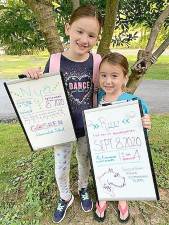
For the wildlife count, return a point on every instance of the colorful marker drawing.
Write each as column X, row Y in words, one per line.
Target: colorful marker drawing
column 110, row 180
column 130, row 156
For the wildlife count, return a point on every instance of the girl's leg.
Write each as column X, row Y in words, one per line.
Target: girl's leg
column 62, row 154
column 83, row 163
column 123, row 211
column 83, row 169
column 100, row 212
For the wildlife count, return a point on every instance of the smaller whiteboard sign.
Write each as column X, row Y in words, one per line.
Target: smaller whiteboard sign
column 120, row 153
column 42, row 109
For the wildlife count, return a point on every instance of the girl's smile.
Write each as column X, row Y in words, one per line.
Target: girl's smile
column 108, row 88
column 82, row 46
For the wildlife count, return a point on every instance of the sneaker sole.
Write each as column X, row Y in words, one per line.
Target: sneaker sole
column 69, row 204
column 89, row 210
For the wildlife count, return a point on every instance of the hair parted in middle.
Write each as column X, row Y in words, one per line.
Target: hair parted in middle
column 117, row 58
column 86, row 11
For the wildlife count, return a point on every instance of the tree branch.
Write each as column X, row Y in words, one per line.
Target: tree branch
column 145, row 58
column 156, row 28
column 161, row 49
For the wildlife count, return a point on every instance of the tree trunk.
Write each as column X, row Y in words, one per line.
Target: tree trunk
column 109, row 25
column 43, row 11
column 145, row 58
column 75, row 3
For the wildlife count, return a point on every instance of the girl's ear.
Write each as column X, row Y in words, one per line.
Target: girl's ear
column 67, row 28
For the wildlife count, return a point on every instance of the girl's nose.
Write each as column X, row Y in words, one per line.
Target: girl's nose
column 84, row 39
column 108, row 80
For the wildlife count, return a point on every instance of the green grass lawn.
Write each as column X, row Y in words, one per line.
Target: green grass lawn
column 11, row 66
column 27, row 183
column 13, row 147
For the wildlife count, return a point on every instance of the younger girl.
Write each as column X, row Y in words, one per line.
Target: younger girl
column 76, row 65
column 113, row 76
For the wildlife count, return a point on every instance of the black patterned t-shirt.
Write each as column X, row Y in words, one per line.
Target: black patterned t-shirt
column 78, row 82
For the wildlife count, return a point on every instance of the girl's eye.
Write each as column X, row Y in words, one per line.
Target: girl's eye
column 103, row 75
column 79, row 31
column 114, row 76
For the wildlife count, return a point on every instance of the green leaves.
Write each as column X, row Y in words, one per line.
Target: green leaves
column 19, row 31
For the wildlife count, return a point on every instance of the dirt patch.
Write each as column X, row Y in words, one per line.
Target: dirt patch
column 142, row 213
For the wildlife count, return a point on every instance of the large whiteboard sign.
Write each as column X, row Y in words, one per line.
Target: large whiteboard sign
column 42, row 109
column 120, row 154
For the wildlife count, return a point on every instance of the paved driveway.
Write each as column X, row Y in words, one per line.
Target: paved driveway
column 6, row 109
column 156, row 94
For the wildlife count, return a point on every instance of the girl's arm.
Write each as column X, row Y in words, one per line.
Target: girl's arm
column 146, row 121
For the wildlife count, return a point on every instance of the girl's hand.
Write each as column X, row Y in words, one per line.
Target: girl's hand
column 34, row 73
column 146, row 121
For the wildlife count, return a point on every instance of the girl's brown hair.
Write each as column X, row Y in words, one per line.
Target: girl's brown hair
column 116, row 58
column 86, row 11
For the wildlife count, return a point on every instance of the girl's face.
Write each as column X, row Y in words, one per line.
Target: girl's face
column 111, row 78
column 83, row 34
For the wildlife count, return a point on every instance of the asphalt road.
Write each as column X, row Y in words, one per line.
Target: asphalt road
column 154, row 92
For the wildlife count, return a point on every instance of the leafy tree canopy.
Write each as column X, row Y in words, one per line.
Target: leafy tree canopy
column 20, row 34
column 19, row 31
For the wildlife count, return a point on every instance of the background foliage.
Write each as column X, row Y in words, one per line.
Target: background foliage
column 19, row 31
column 20, row 34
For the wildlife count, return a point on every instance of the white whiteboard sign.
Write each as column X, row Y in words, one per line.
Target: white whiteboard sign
column 42, row 109
column 120, row 153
